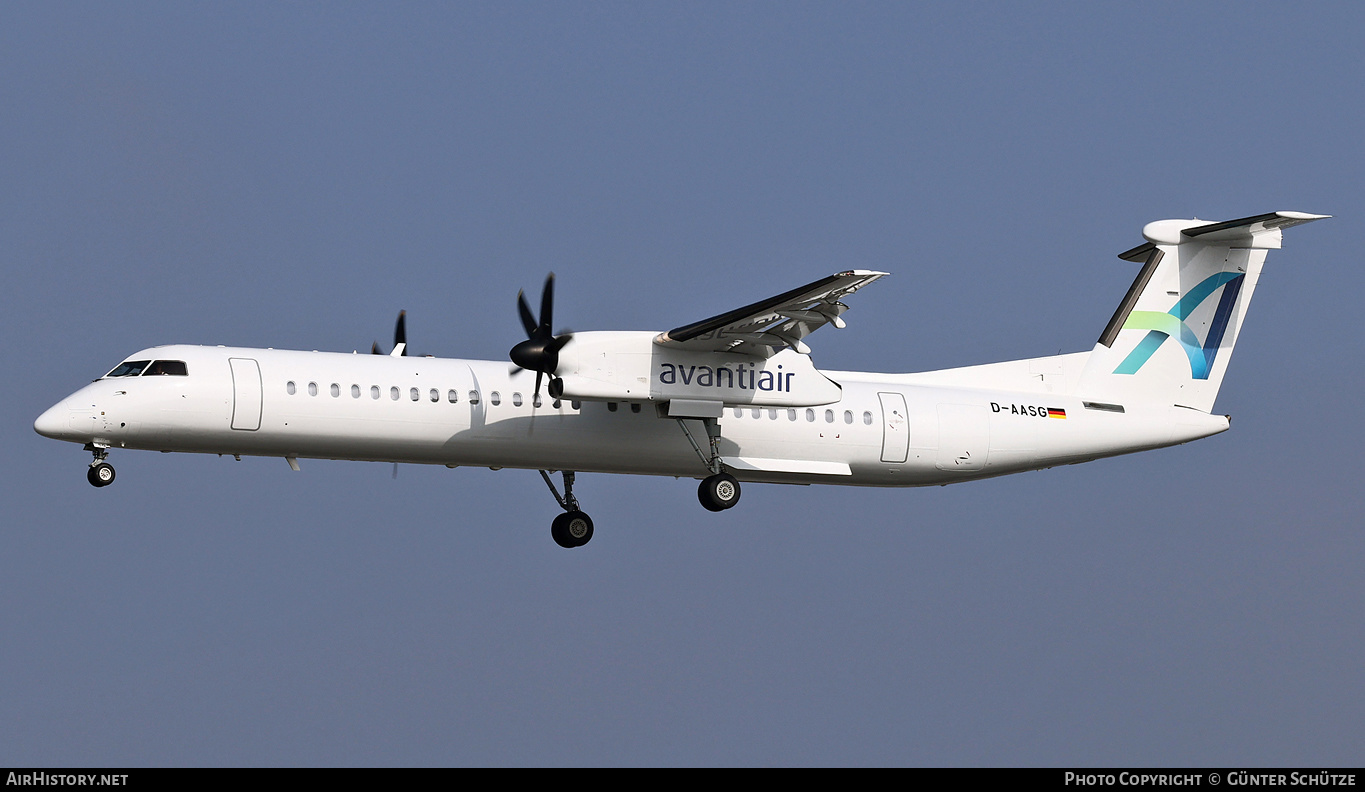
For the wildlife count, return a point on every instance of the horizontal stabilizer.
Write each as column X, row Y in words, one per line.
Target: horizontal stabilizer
column 1259, row 231
column 1233, row 230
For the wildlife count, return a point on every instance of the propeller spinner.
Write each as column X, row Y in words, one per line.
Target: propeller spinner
column 540, row 351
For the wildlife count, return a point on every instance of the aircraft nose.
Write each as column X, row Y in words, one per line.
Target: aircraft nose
column 54, row 422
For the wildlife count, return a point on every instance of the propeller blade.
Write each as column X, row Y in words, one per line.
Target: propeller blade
column 400, row 332
column 527, row 320
column 539, row 374
column 374, row 349
column 547, row 303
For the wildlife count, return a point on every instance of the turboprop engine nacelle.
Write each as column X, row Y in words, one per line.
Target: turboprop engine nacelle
column 622, row 366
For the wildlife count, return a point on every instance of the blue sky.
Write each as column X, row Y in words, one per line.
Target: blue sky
column 291, row 175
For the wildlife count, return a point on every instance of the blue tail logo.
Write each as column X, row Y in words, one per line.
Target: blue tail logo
column 1172, row 325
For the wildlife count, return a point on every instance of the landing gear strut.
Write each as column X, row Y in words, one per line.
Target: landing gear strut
column 720, row 490
column 101, row 473
column 573, row 528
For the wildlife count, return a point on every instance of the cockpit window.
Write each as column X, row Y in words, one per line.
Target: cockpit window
column 172, row 368
column 128, row 368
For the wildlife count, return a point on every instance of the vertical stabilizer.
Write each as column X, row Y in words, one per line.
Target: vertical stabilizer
column 1171, row 338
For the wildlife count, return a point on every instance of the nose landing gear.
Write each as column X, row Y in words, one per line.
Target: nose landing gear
column 101, row 473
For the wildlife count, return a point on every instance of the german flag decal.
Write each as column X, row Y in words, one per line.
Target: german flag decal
column 1056, row 412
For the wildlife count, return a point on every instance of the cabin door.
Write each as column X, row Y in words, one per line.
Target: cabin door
column 246, row 394
column 895, row 427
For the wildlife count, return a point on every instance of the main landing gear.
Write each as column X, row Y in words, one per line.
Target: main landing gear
column 101, row 473
column 720, row 490
column 573, row 528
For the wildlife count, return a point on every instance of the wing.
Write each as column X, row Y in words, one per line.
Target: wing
column 765, row 327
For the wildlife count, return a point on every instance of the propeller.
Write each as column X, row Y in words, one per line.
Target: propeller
column 400, row 337
column 540, row 351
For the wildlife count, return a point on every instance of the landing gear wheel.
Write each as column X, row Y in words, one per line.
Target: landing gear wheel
column 718, row 492
column 571, row 529
column 101, row 474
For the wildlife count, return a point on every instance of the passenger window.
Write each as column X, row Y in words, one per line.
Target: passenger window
column 495, row 398
column 536, row 402
column 611, row 406
column 393, row 393
column 289, row 387
column 516, row 399
column 312, row 389
column 166, row 368
column 867, row 418
column 355, row 391
column 848, row 416
column 473, row 397
column 810, row 415
column 336, row 390
column 829, row 416
column 772, row 415
column 129, row 368
column 414, row 394
column 452, row 396
column 374, row 391
column 557, row 403
column 791, row 415
column 635, row 408
column 435, row 395
column 576, row 404
column 739, row 412
column 757, row 413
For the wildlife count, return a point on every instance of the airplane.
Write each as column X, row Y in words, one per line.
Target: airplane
column 730, row 399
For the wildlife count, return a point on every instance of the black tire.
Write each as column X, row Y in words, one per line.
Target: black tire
column 703, row 495
column 101, row 474
column 558, row 532
column 571, row 529
column 718, row 492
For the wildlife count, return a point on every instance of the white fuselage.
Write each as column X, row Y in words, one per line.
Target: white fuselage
column 884, row 429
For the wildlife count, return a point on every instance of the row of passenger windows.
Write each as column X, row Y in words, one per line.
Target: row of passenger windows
column 415, row 394
column 757, row 412
column 495, row 399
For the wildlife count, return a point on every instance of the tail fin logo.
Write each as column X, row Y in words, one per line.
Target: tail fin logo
column 1171, row 324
